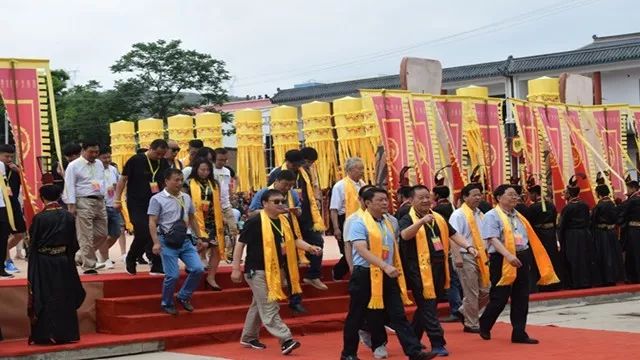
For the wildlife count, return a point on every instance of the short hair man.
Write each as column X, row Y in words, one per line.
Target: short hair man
column 85, row 191
column 13, row 185
column 172, row 155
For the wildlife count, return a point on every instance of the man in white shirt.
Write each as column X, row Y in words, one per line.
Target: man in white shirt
column 114, row 219
column 85, row 191
column 354, row 167
column 223, row 177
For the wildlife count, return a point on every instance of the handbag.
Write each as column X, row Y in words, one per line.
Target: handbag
column 177, row 234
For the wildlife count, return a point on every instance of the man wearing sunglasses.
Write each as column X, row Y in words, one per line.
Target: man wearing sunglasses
column 172, row 155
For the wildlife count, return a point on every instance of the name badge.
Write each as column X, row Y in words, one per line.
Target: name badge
column 299, row 191
column 9, row 191
column 283, row 248
column 154, row 187
column 519, row 239
column 111, row 191
column 95, row 185
column 437, row 244
column 205, row 205
column 385, row 252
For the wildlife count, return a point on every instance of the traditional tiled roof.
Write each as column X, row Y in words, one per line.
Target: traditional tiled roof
column 604, row 50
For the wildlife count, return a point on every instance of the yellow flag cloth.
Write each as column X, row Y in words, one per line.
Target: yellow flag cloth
column 509, row 272
column 482, row 260
column 351, row 203
column 316, row 216
column 302, row 257
column 375, row 246
column 271, row 263
column 196, row 196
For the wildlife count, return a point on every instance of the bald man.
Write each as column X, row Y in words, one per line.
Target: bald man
column 172, row 155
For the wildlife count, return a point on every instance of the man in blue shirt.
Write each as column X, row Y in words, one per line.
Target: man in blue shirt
column 493, row 231
column 376, row 201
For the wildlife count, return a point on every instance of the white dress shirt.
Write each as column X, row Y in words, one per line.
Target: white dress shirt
column 459, row 222
column 223, row 177
column 3, row 172
column 338, row 197
column 111, row 177
column 82, row 179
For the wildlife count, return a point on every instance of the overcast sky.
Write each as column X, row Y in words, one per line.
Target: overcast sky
column 271, row 44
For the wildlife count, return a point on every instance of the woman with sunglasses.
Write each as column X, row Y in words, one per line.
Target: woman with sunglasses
column 205, row 192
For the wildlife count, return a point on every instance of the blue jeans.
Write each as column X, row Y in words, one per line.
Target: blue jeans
column 189, row 256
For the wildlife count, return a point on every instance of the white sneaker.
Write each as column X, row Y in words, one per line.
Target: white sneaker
column 389, row 330
column 124, row 258
column 381, row 352
column 109, row 264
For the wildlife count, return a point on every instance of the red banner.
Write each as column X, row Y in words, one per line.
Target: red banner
column 450, row 144
column 495, row 148
column 613, row 138
column 395, row 143
column 23, row 106
column 581, row 157
column 423, row 143
column 528, row 132
column 553, row 136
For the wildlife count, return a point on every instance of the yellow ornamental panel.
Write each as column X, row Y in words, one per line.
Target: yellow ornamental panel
column 123, row 141
column 209, row 129
column 180, row 129
column 318, row 133
column 250, row 157
column 473, row 91
column 284, row 129
column 149, row 130
column 544, row 89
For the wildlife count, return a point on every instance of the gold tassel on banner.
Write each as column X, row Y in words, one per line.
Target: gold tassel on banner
column 209, row 129
column 284, row 129
column 372, row 135
column 251, row 158
column 318, row 133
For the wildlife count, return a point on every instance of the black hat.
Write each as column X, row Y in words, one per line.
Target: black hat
column 438, row 178
column 573, row 181
column 600, row 180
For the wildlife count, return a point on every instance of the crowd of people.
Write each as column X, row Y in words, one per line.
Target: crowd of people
column 473, row 254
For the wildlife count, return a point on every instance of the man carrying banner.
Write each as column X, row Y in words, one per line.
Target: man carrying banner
column 511, row 243
column 630, row 221
column 542, row 215
column 576, row 241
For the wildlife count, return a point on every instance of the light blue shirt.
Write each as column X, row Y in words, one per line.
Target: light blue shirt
column 492, row 228
column 358, row 232
column 167, row 208
column 459, row 222
column 256, row 204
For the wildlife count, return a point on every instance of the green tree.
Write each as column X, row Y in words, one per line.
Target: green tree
column 162, row 72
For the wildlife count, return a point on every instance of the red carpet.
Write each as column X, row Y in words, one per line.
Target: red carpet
column 555, row 343
column 129, row 312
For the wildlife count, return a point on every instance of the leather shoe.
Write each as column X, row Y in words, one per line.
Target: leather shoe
column 350, row 357
column 486, row 335
column 298, row 308
column 423, row 355
column 471, row 330
column 186, row 304
column 526, row 340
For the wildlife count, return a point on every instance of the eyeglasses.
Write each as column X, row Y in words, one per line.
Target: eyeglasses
column 175, row 149
column 277, row 201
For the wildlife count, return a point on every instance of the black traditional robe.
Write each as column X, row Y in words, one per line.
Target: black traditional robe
column 630, row 221
column 608, row 252
column 576, row 243
column 55, row 291
column 544, row 224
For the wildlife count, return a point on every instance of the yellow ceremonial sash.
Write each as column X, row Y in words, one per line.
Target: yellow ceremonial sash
column 424, row 259
column 351, row 203
column 316, row 216
column 375, row 246
column 271, row 264
column 509, row 272
column 302, row 257
column 196, row 195
column 7, row 201
column 482, row 260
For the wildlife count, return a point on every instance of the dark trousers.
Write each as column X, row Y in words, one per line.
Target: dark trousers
column 294, row 299
column 4, row 236
column 314, row 271
column 141, row 237
column 454, row 293
column 425, row 319
column 499, row 295
column 360, row 292
column 341, row 268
